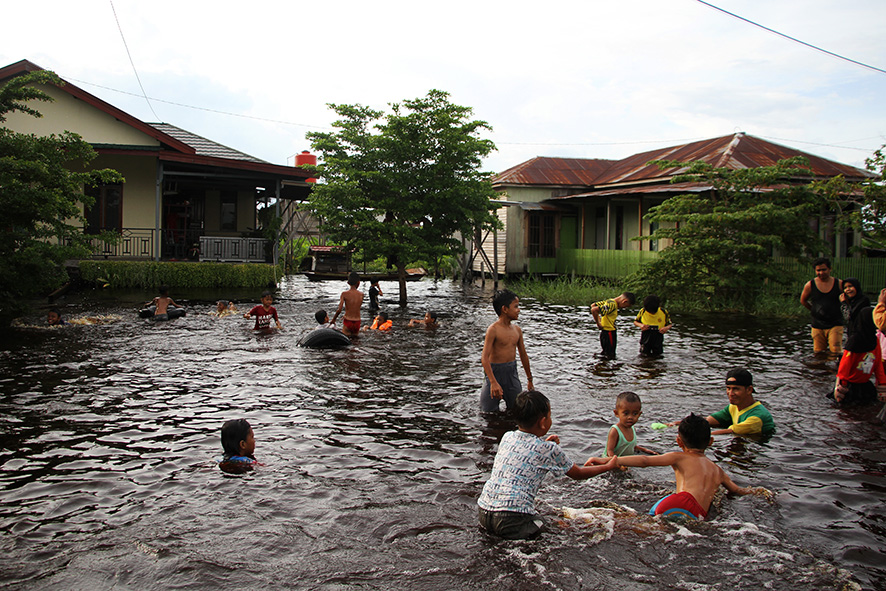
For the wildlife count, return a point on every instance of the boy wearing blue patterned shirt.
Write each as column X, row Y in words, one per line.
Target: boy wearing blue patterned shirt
column 506, row 506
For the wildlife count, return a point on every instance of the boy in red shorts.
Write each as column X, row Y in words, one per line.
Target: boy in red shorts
column 697, row 477
column 351, row 300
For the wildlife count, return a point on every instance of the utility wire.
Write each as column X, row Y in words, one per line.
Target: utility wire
column 119, row 28
column 794, row 39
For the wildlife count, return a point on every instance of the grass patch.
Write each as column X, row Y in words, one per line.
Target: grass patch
column 178, row 275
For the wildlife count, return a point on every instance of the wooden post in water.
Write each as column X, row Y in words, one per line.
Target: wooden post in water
column 495, row 258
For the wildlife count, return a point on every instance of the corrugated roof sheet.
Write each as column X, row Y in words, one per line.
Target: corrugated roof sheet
column 203, row 146
column 543, row 170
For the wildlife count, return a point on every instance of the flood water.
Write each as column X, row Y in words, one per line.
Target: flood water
column 373, row 457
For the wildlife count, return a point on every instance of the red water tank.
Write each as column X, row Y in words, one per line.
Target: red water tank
column 306, row 158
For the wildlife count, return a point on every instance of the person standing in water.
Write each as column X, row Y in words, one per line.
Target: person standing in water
column 351, row 301
column 821, row 296
column 504, row 340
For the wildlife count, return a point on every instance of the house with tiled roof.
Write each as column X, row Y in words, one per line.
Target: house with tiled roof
column 551, row 205
column 185, row 196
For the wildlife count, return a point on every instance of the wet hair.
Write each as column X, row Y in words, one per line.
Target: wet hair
column 695, row 432
column 321, row 316
column 383, row 316
column 433, row 315
column 232, row 433
column 651, row 303
column 630, row 296
column 353, row 278
column 373, row 282
column 531, row 405
column 164, row 290
column 267, row 293
column 501, row 299
column 821, row 261
column 627, row 397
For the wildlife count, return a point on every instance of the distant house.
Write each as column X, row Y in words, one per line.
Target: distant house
column 185, row 197
column 570, row 203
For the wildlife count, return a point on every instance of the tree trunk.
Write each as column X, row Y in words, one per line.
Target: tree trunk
column 401, row 272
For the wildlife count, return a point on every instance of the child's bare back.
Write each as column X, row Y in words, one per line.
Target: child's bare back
column 353, row 301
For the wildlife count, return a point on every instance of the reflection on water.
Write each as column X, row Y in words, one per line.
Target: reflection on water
column 373, row 456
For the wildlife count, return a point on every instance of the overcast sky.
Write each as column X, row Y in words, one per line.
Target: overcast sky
column 586, row 79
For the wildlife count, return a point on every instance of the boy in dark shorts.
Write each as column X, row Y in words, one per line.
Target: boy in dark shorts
column 506, row 506
column 605, row 312
column 500, row 347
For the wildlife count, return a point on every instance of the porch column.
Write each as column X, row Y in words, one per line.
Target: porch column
column 608, row 222
column 158, row 208
column 640, row 221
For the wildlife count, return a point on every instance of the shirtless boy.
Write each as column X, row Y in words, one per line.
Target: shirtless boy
column 696, row 476
column 502, row 343
column 162, row 301
column 351, row 300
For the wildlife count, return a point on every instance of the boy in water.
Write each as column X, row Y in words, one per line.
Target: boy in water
column 622, row 438
column 374, row 292
column 605, row 312
column 429, row 321
column 351, row 300
column 162, row 303
column 381, row 322
column 506, row 506
column 502, row 343
column 54, row 317
column 322, row 318
column 653, row 322
column 696, row 476
column 264, row 313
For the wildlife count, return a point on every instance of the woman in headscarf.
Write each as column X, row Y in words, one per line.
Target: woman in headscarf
column 861, row 353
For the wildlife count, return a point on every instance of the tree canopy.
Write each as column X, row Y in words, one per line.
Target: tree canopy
column 403, row 185
column 723, row 239
column 41, row 197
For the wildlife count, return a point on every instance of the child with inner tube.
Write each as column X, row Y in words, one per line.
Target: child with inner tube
column 162, row 303
column 238, row 443
column 697, row 477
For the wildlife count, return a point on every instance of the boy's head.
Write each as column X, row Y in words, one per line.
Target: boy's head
column 628, row 408
column 267, row 298
column 822, row 268
column 695, row 432
column 321, row 316
column 382, row 317
column 164, row 290
column 237, row 438
column 503, row 300
column 221, row 305
column 374, row 283
column 532, row 406
column 625, row 300
column 53, row 316
column 353, row 279
column 740, row 387
column 651, row 303
column 431, row 316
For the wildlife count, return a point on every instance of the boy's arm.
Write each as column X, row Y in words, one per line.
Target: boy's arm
column 668, row 459
column 595, row 312
column 277, row 320
column 804, row 297
column 731, row 486
column 611, row 441
column 640, row 325
column 341, row 303
column 577, row 472
column 495, row 390
column 524, row 359
column 646, row 450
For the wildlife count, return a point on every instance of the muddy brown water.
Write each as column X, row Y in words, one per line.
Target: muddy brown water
column 373, row 456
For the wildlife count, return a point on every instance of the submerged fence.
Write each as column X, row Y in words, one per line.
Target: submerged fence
column 618, row 264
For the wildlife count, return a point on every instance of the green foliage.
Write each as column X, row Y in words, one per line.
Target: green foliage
column 575, row 290
column 150, row 274
column 403, row 185
column 724, row 238
column 40, row 197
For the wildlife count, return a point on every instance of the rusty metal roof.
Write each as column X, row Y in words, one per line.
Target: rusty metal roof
column 548, row 171
column 731, row 151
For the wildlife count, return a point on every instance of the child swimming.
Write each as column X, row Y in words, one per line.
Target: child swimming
column 238, row 443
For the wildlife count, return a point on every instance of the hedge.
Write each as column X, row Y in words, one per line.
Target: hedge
column 150, row 274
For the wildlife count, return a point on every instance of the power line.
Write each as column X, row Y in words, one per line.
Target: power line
column 158, row 100
column 119, row 28
column 794, row 39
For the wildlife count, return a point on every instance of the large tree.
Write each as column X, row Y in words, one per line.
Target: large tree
column 41, row 197
column 403, row 185
column 723, row 239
